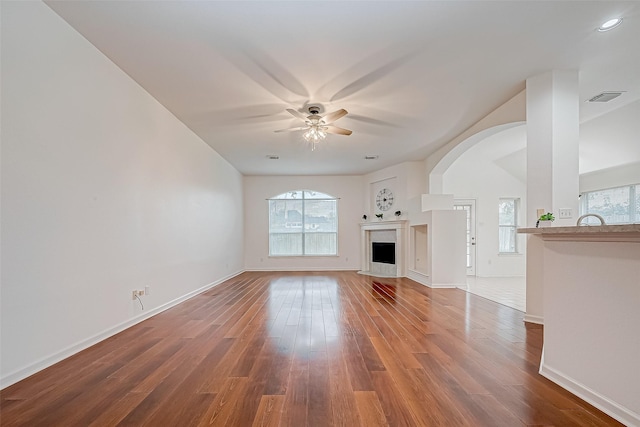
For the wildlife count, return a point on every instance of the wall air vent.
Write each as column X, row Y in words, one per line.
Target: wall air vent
column 605, row 97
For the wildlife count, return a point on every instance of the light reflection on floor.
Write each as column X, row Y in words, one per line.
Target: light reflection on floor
column 509, row 291
column 302, row 313
column 383, row 291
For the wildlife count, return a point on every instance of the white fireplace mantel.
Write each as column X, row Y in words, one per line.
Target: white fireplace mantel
column 400, row 228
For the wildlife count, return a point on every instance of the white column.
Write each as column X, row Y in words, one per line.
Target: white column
column 552, row 164
column 552, row 145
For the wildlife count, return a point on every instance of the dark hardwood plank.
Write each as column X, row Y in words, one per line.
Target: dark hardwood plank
column 182, row 405
column 225, row 408
column 269, row 411
column 357, row 368
column 296, row 404
column 370, row 409
column 344, row 408
column 392, row 402
column 319, row 408
column 278, row 376
column 426, row 402
column 308, row 349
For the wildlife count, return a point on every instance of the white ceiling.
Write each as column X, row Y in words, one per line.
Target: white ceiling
column 413, row 75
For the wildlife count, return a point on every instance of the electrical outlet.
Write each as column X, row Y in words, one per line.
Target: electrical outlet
column 134, row 294
column 539, row 212
column 147, row 290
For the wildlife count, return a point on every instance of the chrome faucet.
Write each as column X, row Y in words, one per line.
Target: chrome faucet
column 588, row 215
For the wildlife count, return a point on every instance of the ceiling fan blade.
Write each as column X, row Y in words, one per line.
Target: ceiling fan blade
column 337, row 130
column 332, row 117
column 292, row 129
column 372, row 121
column 297, row 114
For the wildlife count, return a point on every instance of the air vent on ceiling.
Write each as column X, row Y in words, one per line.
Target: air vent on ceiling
column 370, row 157
column 272, row 157
column 605, row 97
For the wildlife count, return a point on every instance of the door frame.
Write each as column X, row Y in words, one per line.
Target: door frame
column 471, row 234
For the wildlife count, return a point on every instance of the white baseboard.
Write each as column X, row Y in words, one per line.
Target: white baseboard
column 425, row 280
column 529, row 318
column 609, row 407
column 421, row 278
column 446, row 285
column 500, row 276
column 45, row 362
column 382, row 276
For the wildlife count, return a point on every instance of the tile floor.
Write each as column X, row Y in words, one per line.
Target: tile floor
column 509, row 291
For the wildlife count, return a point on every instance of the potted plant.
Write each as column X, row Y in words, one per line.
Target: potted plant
column 545, row 220
column 380, row 215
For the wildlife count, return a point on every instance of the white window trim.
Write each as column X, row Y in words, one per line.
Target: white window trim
column 516, row 213
column 634, row 218
column 304, row 255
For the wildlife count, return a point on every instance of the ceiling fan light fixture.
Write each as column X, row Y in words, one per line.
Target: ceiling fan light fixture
column 318, row 127
column 610, row 24
column 315, row 134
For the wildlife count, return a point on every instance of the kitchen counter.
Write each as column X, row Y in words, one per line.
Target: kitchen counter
column 588, row 233
column 586, row 281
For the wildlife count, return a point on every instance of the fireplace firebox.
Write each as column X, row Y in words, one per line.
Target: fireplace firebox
column 383, row 252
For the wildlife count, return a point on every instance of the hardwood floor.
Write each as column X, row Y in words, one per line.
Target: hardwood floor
column 315, row 349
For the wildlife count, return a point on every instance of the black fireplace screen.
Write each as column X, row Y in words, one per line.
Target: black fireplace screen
column 383, row 252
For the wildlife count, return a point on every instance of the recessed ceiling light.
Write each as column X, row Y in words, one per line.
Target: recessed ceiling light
column 610, row 24
column 370, row 157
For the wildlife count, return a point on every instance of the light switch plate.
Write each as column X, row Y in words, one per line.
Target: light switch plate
column 565, row 213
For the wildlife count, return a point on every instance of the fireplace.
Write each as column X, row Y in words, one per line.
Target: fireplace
column 383, row 252
column 382, row 248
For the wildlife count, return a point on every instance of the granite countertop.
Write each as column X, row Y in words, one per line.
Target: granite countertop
column 622, row 228
column 609, row 233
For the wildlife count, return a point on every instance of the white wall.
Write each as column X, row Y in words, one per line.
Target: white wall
column 610, row 140
column 406, row 180
column 511, row 113
column 257, row 189
column 103, row 191
column 446, row 248
column 609, row 178
column 419, row 261
column 357, row 198
column 483, row 173
column 591, row 318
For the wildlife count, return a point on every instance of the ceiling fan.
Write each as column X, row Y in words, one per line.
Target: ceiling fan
column 316, row 126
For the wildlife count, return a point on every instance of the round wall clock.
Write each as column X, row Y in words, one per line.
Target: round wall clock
column 384, row 199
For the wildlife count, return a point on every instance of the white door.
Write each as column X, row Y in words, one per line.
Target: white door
column 469, row 206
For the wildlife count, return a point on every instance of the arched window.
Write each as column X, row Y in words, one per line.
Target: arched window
column 303, row 222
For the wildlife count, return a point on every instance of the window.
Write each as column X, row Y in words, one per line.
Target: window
column 507, row 224
column 467, row 208
column 637, row 213
column 620, row 205
column 303, row 222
